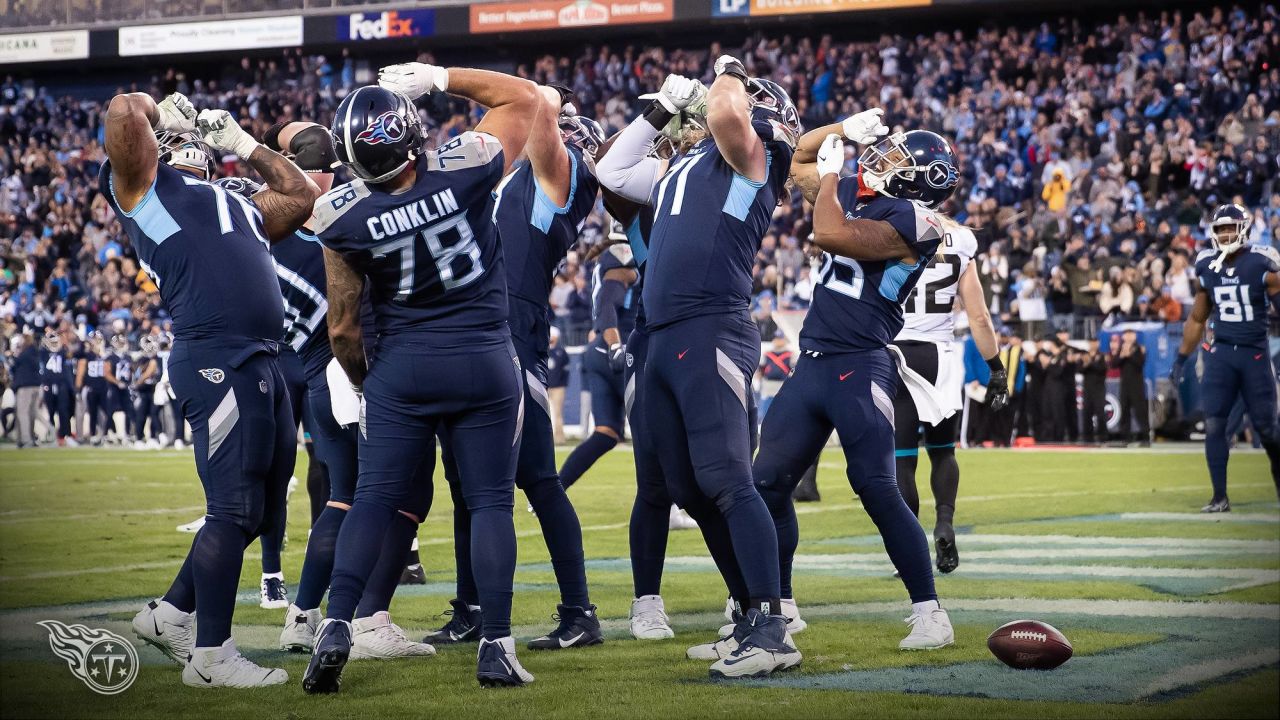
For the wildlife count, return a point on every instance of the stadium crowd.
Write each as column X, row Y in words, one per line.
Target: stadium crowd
column 1091, row 154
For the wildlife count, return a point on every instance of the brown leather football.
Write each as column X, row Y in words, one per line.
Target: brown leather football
column 1029, row 645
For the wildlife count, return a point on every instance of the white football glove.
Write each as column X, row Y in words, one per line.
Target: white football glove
column 830, row 156
column 731, row 65
column 865, row 127
column 414, row 79
column 175, row 114
column 221, row 131
column 678, row 92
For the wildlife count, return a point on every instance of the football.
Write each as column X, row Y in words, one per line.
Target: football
column 1029, row 645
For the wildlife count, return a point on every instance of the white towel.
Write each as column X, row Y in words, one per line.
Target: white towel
column 342, row 397
column 929, row 403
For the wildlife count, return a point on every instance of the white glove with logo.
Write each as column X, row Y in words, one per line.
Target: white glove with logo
column 414, row 79
column 175, row 114
column 221, row 131
column 865, row 127
column 677, row 93
column 830, row 156
column 728, row 64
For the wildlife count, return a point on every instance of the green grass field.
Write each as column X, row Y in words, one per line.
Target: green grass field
column 1172, row 614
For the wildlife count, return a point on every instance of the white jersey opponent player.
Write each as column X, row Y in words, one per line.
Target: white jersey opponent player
column 931, row 378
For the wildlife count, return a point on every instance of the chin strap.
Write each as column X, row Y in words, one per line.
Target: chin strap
column 1217, row 263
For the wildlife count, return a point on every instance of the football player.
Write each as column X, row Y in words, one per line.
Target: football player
column 612, row 319
column 57, row 378
column 931, row 375
column 206, row 250
column 541, row 206
column 712, row 208
column 1237, row 280
column 145, row 378
column 91, row 384
column 878, row 232
column 416, row 223
column 119, row 372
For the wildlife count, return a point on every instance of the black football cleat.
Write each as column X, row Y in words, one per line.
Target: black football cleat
column 579, row 627
column 807, row 489
column 463, row 626
column 944, row 546
column 497, row 666
column 1217, row 505
column 413, row 575
column 333, row 648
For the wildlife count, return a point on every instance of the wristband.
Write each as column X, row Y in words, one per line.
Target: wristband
column 994, row 363
column 657, row 115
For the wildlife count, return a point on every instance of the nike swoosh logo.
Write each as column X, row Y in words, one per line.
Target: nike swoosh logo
column 734, row 661
column 208, row 680
column 680, row 355
column 845, row 375
column 1258, row 356
column 505, row 665
column 157, row 627
column 567, row 643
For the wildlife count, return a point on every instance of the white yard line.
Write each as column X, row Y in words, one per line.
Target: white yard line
column 1201, row 672
column 1232, row 517
column 104, row 514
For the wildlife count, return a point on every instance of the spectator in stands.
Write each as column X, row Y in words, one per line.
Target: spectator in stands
column 557, row 381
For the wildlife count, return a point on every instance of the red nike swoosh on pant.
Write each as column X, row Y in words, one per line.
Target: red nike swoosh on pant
column 845, row 375
column 680, row 355
column 1258, row 356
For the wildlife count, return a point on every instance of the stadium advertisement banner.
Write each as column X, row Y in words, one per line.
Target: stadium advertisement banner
column 249, row 34
column 39, row 47
column 386, row 25
column 544, row 14
column 799, row 7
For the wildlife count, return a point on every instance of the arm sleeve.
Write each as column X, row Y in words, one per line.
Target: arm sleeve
column 627, row 168
column 605, row 305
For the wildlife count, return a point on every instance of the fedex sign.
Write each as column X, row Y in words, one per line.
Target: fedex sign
column 386, row 25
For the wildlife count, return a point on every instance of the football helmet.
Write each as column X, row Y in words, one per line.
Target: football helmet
column 1229, row 228
column 149, row 345
column 582, row 132
column 52, row 341
column 241, row 186
column 773, row 116
column 96, row 342
column 918, row 165
column 377, row 133
column 120, row 343
column 186, row 151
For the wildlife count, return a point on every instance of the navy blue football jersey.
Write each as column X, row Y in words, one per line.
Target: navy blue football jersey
column 299, row 262
column 94, row 366
column 207, row 252
column 1239, row 294
column 121, row 367
column 707, row 231
column 618, row 256
column 536, row 234
column 54, row 366
column 858, row 304
column 638, row 237
column 430, row 254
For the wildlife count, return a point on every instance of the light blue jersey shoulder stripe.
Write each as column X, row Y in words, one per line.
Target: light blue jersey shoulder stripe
column 742, row 191
column 639, row 250
column 544, row 210
column 150, row 214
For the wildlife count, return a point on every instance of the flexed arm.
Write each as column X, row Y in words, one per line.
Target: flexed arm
column 729, row 120
column 131, row 124
column 546, row 151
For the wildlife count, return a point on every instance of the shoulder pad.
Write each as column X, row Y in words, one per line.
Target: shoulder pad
column 963, row 241
column 928, row 226
column 1270, row 254
column 1204, row 254
column 622, row 253
column 333, row 204
column 468, row 150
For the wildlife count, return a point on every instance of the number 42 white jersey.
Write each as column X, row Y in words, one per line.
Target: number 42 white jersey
column 927, row 312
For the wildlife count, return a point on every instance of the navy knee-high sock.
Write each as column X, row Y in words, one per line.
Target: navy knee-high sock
column 317, row 567
column 359, row 543
column 648, row 534
column 715, row 532
column 1217, row 452
column 182, row 593
column 271, row 543
column 216, row 559
column 563, row 533
column 386, row 572
column 783, row 511
column 584, row 456
column 755, row 544
column 903, row 537
column 466, row 579
column 493, row 562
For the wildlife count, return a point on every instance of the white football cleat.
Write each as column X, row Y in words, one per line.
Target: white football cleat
column 299, row 634
column 767, row 648
column 224, row 666
column 792, row 612
column 930, row 630
column 167, row 628
column 193, row 526
column 273, row 593
column 288, row 491
column 377, row 638
column 722, row 648
column 680, row 520
column 649, row 619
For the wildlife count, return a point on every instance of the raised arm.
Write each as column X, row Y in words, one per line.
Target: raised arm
column 512, row 101
column 729, row 120
column 625, row 166
column 290, row 195
column 546, row 151
column 344, row 285
column 863, row 128
column 131, row 124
